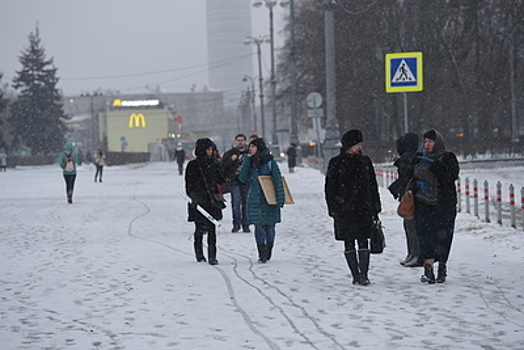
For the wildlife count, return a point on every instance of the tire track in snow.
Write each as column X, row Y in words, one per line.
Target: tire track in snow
column 223, row 274
column 281, row 310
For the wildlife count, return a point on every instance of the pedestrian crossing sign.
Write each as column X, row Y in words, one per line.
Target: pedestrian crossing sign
column 404, row 72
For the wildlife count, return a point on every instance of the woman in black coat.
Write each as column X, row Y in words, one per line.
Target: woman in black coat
column 203, row 174
column 353, row 202
column 434, row 173
column 407, row 147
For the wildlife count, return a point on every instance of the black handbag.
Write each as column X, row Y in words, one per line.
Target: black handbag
column 378, row 240
column 217, row 200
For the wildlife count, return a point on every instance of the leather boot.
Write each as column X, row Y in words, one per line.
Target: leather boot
column 268, row 251
column 442, row 273
column 429, row 275
column 70, row 197
column 212, row 255
column 363, row 263
column 351, row 258
column 262, row 253
column 199, row 251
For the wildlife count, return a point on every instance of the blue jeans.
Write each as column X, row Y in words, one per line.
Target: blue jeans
column 238, row 204
column 265, row 234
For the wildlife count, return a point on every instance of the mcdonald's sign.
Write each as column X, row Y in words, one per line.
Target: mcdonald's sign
column 137, row 120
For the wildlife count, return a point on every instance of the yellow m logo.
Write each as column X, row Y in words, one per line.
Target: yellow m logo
column 137, row 120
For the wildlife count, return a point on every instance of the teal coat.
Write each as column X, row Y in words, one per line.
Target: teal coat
column 258, row 211
column 69, row 149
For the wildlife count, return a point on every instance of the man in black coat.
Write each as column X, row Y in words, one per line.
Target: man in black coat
column 353, row 201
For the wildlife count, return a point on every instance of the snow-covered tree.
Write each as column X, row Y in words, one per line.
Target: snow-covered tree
column 37, row 119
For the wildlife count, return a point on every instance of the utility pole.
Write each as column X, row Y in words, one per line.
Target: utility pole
column 293, row 71
column 330, row 147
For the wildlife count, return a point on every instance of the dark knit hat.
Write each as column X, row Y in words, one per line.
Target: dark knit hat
column 259, row 143
column 351, row 138
column 432, row 135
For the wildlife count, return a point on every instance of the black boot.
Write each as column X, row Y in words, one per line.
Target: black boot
column 212, row 255
column 268, row 251
column 351, row 258
column 429, row 275
column 442, row 273
column 363, row 263
column 262, row 253
column 69, row 197
column 199, row 251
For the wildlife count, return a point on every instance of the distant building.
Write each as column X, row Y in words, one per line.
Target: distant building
column 228, row 24
column 131, row 122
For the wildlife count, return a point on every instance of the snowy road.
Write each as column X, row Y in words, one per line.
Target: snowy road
column 115, row 270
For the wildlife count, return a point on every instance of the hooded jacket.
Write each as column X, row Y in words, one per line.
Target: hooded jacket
column 441, row 174
column 68, row 150
column 258, row 211
column 407, row 147
column 201, row 178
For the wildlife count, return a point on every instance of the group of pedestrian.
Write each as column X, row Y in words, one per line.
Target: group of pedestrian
column 68, row 161
column 353, row 202
column 238, row 174
column 351, row 194
column 431, row 175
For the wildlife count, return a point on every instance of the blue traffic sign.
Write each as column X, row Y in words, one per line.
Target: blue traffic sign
column 404, row 72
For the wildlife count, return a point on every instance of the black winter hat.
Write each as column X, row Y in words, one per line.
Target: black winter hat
column 201, row 146
column 432, row 135
column 259, row 143
column 351, row 138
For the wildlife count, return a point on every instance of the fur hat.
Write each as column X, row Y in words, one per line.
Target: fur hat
column 351, row 138
column 259, row 144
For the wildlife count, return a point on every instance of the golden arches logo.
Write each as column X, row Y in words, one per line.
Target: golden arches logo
column 137, row 120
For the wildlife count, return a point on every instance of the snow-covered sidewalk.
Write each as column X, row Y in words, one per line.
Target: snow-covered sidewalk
column 116, row 270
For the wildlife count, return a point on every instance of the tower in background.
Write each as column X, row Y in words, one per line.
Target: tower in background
column 228, row 24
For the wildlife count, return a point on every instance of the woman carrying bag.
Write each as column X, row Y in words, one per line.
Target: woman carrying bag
column 260, row 162
column 203, row 174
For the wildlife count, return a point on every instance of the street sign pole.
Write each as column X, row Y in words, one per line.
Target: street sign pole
column 404, row 74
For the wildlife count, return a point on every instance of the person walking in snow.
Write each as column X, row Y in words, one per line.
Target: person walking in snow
column 353, row 201
column 99, row 159
column 203, row 174
column 3, row 160
column 407, row 147
column 264, row 216
column 180, row 157
column 292, row 157
column 67, row 161
column 434, row 172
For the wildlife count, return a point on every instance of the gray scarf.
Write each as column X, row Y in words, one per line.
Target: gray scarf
column 424, row 173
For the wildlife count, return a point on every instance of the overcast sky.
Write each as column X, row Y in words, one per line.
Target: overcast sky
column 118, row 44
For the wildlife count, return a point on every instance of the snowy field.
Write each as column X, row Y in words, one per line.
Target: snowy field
column 116, row 270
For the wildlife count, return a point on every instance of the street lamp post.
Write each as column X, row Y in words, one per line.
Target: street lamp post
column 270, row 4
column 259, row 41
column 252, row 99
column 332, row 134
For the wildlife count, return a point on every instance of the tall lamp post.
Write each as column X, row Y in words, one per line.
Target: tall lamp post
column 270, row 4
column 252, row 98
column 332, row 134
column 259, row 41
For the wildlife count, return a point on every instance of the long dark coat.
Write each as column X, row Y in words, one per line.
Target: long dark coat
column 196, row 170
column 352, row 196
column 258, row 211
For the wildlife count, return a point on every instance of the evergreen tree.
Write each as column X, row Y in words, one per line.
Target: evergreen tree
column 3, row 106
column 37, row 115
